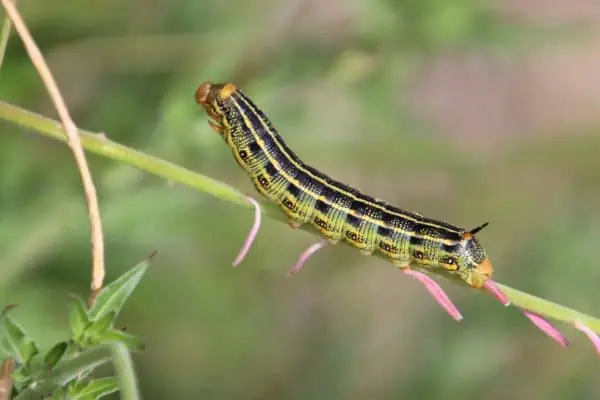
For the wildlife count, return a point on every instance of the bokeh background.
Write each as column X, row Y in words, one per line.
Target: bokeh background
column 463, row 110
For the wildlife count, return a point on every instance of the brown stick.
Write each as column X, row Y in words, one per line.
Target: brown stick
column 5, row 379
column 37, row 59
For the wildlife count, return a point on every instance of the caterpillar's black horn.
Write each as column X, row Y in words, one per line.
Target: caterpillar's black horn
column 480, row 227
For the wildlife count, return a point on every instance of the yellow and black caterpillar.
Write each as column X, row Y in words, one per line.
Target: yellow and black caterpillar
column 338, row 211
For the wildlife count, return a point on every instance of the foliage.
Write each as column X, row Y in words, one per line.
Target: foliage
column 65, row 370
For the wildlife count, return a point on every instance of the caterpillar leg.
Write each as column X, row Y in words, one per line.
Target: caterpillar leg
column 436, row 291
column 252, row 234
column 216, row 126
column 294, row 224
column 306, row 255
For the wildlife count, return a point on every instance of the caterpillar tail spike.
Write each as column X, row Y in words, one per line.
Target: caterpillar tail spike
column 252, row 234
column 473, row 231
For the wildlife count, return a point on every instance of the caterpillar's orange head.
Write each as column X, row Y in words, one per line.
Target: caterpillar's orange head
column 212, row 96
column 209, row 92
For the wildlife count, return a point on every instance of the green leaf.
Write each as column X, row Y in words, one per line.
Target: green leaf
column 96, row 329
column 103, row 323
column 75, row 386
column 113, row 296
column 78, row 317
column 21, row 377
column 96, row 389
column 21, row 346
column 15, row 334
column 6, row 310
column 55, row 354
column 132, row 342
column 60, row 394
column 5, row 348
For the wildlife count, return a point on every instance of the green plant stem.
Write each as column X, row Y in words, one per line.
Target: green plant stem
column 128, row 388
column 99, row 144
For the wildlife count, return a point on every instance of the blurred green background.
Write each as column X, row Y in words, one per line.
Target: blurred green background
column 463, row 110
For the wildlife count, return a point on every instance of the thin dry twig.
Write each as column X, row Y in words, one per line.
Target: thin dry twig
column 37, row 59
column 5, row 379
column 4, row 35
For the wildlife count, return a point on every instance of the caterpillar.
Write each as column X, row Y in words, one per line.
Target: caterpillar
column 408, row 240
column 338, row 211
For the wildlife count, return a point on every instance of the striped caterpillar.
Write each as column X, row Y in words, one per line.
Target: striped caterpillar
column 410, row 241
column 338, row 211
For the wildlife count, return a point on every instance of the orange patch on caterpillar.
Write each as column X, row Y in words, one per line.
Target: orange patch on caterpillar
column 486, row 267
column 227, row 91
